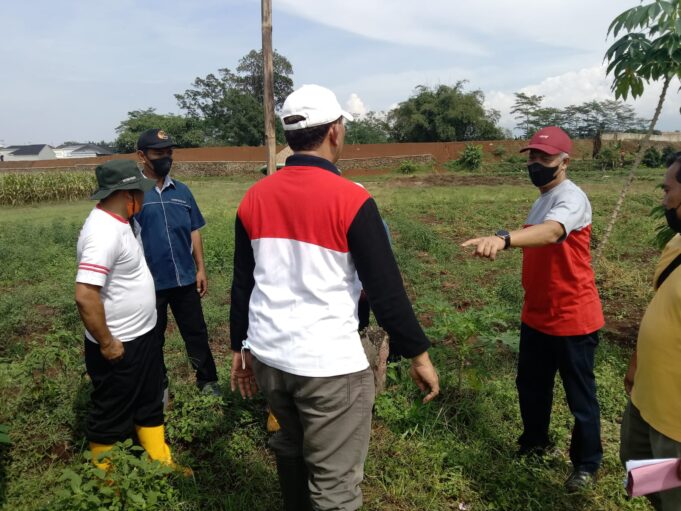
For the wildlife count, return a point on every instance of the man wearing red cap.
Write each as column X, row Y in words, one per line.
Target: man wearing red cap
column 561, row 312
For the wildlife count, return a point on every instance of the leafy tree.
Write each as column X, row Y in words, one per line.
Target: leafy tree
column 230, row 104
column 648, row 51
column 525, row 109
column 443, row 114
column 370, row 129
column 250, row 77
column 186, row 131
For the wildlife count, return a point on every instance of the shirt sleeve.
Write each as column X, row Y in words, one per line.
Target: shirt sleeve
column 243, row 283
column 195, row 216
column 97, row 258
column 571, row 211
column 382, row 282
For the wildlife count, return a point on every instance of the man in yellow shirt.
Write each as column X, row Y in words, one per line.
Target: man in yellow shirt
column 651, row 427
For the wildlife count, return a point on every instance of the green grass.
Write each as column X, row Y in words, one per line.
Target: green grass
column 456, row 451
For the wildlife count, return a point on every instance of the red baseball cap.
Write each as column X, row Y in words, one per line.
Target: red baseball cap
column 551, row 140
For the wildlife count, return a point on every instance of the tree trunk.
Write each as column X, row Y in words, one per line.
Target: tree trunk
column 268, row 96
column 645, row 143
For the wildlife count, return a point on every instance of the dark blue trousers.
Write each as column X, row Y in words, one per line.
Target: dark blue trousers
column 541, row 355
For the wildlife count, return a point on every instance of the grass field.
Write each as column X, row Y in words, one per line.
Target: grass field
column 456, row 453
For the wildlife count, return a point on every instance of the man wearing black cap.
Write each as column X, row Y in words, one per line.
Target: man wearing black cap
column 116, row 301
column 170, row 220
column 561, row 312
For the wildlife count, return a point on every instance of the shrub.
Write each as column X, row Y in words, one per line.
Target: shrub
column 499, row 151
column 608, row 158
column 471, row 157
column 409, row 167
column 668, row 153
column 652, row 158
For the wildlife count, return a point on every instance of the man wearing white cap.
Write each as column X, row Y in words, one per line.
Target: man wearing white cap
column 306, row 242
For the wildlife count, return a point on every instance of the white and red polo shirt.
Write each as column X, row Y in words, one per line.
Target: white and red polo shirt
column 561, row 298
column 111, row 257
column 303, row 236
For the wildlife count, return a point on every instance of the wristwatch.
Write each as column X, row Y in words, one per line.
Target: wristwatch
column 504, row 235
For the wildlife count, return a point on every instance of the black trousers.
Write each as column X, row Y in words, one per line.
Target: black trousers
column 185, row 303
column 541, row 355
column 126, row 393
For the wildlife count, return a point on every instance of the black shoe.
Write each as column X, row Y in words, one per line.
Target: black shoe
column 536, row 451
column 211, row 388
column 580, row 480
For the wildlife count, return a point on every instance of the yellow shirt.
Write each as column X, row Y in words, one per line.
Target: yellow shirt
column 657, row 383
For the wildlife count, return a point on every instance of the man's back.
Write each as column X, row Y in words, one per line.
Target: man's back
column 303, row 308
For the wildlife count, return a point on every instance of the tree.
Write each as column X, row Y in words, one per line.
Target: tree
column 251, row 78
column 186, row 132
column 443, row 114
column 370, row 129
column 650, row 50
column 525, row 108
column 230, row 104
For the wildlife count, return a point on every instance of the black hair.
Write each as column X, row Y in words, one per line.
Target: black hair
column 306, row 139
column 673, row 159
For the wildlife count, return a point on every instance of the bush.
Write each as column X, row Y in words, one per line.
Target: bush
column 668, row 153
column 407, row 167
column 652, row 158
column 608, row 158
column 499, row 151
column 471, row 157
column 516, row 159
column 133, row 483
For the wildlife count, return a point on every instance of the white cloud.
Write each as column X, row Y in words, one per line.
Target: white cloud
column 456, row 26
column 575, row 87
column 355, row 105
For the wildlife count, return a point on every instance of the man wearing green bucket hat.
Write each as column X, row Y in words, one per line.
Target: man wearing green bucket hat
column 117, row 304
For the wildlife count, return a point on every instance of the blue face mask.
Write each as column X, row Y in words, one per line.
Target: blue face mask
column 541, row 175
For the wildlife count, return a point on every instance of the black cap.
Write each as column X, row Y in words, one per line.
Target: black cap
column 120, row 175
column 154, row 139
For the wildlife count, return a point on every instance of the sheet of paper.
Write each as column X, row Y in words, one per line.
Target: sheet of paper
column 650, row 476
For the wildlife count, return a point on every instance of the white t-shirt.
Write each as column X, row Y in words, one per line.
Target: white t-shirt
column 566, row 204
column 110, row 256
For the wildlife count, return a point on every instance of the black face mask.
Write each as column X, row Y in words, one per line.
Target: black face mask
column 672, row 219
column 162, row 166
column 541, row 175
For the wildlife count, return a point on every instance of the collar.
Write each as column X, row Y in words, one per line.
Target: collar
column 307, row 160
column 167, row 181
column 117, row 217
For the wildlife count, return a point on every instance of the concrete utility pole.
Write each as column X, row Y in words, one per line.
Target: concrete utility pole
column 268, row 97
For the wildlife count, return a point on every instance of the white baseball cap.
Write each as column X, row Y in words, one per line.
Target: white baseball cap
column 316, row 104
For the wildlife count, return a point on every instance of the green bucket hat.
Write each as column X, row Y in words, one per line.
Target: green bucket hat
column 116, row 175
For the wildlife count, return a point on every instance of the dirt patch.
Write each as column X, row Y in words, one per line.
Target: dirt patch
column 457, row 180
column 365, row 172
column 622, row 331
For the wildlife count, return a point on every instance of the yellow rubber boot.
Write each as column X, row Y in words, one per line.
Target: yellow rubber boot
column 97, row 449
column 272, row 423
column 154, row 442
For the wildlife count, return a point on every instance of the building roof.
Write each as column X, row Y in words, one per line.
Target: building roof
column 92, row 148
column 27, row 150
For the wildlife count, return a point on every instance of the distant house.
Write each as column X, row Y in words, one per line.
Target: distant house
column 28, row 152
column 80, row 151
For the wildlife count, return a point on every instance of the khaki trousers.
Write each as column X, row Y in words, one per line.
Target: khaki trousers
column 639, row 441
column 327, row 421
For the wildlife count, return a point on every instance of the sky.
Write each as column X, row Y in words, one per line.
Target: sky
column 73, row 69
